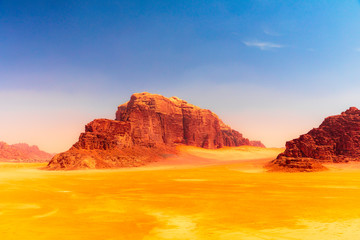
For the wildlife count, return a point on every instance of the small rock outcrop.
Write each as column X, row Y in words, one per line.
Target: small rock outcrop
column 22, row 152
column 336, row 140
column 145, row 128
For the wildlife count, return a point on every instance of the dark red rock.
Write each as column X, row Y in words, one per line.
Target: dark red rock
column 337, row 139
column 153, row 125
column 22, row 152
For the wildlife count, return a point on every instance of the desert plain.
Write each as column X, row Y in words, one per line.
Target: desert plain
column 200, row 194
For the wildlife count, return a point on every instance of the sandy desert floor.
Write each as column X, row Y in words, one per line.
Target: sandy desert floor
column 203, row 194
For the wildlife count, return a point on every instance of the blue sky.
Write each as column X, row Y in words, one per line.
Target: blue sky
column 271, row 69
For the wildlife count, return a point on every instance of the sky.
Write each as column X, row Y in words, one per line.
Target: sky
column 271, row 69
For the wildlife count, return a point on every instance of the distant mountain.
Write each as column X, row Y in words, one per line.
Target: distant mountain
column 257, row 144
column 146, row 128
column 22, row 152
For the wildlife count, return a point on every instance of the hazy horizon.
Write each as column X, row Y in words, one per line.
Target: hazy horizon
column 270, row 69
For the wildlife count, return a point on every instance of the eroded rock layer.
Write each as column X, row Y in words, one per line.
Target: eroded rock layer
column 337, row 139
column 145, row 128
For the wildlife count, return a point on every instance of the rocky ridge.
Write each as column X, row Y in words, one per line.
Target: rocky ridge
column 336, row 140
column 147, row 127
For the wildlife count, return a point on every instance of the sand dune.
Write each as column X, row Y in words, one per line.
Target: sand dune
column 193, row 156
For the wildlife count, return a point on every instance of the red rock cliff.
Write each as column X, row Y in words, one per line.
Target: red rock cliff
column 152, row 124
column 337, row 139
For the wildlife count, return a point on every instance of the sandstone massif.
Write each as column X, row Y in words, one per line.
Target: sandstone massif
column 22, row 152
column 336, row 140
column 146, row 128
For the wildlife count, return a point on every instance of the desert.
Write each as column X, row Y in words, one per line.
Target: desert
column 166, row 169
column 179, row 120
column 201, row 194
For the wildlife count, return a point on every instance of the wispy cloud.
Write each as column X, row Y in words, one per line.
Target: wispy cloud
column 271, row 33
column 263, row 45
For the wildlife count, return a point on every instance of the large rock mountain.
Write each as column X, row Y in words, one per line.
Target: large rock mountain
column 145, row 128
column 337, row 139
column 22, row 152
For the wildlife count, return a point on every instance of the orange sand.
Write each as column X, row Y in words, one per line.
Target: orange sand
column 224, row 195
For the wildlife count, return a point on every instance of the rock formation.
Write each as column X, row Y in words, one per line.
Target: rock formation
column 22, row 152
column 336, row 140
column 147, row 127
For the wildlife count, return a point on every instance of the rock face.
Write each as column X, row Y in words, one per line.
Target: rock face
column 337, row 139
column 22, row 152
column 145, row 128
